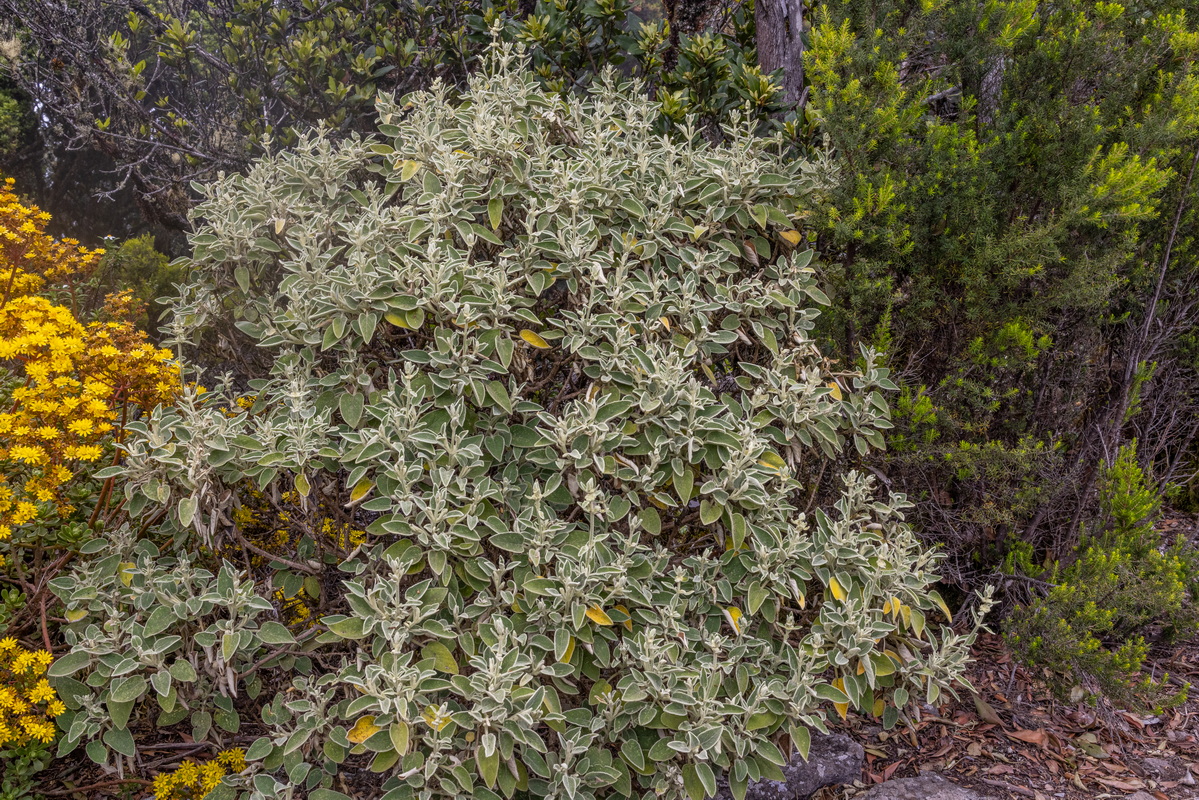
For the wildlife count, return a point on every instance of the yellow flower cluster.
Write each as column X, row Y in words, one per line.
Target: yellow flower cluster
column 253, row 518
column 272, row 530
column 28, row 703
column 194, row 781
column 75, row 384
column 295, row 610
column 29, row 258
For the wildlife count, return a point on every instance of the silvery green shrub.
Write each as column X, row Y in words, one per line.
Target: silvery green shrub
column 558, row 369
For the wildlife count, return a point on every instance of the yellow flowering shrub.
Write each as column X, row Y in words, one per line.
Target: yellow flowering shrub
column 29, row 257
column 193, row 781
column 275, row 528
column 28, row 704
column 70, row 386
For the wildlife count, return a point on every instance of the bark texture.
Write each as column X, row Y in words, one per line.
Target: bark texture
column 780, row 46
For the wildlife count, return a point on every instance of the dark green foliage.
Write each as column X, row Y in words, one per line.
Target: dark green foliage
column 1122, row 593
column 18, row 126
column 20, row 766
column 136, row 265
column 11, row 123
column 710, row 74
column 174, row 96
column 1009, row 179
column 178, row 93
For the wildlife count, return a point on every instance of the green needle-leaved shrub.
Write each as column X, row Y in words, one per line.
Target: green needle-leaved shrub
column 1124, row 589
column 551, row 373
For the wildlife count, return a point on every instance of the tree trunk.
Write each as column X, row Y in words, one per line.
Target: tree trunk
column 780, row 46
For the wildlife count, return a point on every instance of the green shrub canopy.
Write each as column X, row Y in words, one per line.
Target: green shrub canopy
column 553, row 374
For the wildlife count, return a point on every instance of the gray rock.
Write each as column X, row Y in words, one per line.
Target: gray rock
column 1163, row 769
column 832, row 759
column 926, row 787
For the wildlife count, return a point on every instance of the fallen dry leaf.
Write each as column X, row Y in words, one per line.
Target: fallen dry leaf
column 1129, row 785
column 1036, row 737
column 986, row 711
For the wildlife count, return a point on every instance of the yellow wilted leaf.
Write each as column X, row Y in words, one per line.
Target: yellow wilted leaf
column 665, row 322
column 363, row 729
column 434, row 719
column 792, row 238
column 534, row 339
column 628, row 623
column 734, row 617
column 360, row 490
column 127, row 572
column 936, row 596
column 397, row 319
column 879, row 707
column 887, row 606
column 861, row 667
column 408, row 169
column 842, row 708
column 279, row 223
column 598, row 616
column 835, row 390
column 569, row 653
column 76, row 615
column 772, row 460
column 834, row 586
column 302, row 485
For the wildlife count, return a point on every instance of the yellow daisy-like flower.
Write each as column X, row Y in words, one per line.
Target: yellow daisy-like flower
column 234, row 759
column 24, row 512
column 41, row 693
column 164, row 786
column 23, row 662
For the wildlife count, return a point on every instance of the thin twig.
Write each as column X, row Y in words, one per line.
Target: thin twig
column 100, row 785
column 1008, row 787
column 265, row 554
column 45, row 630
